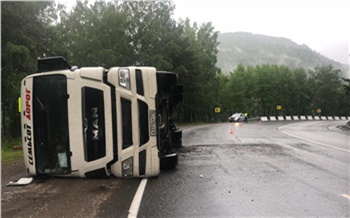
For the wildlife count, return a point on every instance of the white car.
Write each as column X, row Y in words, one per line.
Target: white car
column 237, row 117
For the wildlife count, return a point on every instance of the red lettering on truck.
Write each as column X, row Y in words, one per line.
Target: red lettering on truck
column 29, row 145
column 28, row 110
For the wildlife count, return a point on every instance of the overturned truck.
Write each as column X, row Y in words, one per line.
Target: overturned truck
column 97, row 122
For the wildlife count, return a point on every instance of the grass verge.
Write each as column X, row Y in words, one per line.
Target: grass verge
column 8, row 153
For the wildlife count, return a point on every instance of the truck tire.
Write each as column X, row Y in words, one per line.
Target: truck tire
column 169, row 161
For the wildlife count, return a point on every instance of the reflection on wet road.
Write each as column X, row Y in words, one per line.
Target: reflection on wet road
column 251, row 169
column 324, row 133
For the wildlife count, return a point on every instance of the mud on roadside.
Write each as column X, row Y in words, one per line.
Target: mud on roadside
column 50, row 196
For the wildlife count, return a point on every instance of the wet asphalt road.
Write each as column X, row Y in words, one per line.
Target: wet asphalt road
column 231, row 169
column 255, row 169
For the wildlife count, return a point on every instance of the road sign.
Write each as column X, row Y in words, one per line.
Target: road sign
column 279, row 107
column 318, row 110
column 217, row 110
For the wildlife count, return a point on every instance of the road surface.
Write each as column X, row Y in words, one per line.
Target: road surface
column 229, row 169
column 254, row 169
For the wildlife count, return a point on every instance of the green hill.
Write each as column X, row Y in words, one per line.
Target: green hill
column 253, row 49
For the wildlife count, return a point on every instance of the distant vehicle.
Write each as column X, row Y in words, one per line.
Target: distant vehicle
column 237, row 117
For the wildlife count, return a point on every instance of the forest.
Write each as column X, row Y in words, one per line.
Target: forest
column 125, row 33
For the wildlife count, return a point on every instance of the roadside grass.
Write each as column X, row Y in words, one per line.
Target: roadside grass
column 8, row 153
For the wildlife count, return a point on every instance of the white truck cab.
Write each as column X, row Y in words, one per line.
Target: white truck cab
column 97, row 122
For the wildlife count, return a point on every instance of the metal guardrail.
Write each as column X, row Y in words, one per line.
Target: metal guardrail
column 303, row 118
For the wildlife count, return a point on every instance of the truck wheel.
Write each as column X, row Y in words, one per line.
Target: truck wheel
column 168, row 162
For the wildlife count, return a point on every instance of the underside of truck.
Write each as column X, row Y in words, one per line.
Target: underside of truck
column 169, row 136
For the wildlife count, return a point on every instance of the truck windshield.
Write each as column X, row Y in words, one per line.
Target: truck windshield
column 50, row 113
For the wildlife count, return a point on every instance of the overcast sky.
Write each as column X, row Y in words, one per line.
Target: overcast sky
column 323, row 25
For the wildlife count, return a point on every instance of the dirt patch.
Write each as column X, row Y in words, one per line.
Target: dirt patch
column 51, row 196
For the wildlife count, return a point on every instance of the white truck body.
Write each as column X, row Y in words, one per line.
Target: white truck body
column 93, row 122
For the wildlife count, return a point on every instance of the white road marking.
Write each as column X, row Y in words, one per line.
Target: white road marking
column 136, row 202
column 187, row 130
column 308, row 140
column 346, row 196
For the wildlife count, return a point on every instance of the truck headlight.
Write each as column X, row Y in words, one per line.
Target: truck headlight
column 127, row 167
column 124, row 78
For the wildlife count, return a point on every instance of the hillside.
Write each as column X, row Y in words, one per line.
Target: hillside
column 252, row 49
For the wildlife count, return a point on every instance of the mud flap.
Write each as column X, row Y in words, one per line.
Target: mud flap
column 169, row 161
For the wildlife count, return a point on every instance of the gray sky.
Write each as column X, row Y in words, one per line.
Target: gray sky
column 323, row 25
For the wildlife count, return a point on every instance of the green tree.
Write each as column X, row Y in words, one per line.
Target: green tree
column 219, row 85
column 235, row 91
column 346, row 86
column 116, row 33
column 151, row 30
column 21, row 43
column 326, row 87
column 258, row 90
column 94, row 35
column 301, row 101
column 267, row 93
column 197, row 71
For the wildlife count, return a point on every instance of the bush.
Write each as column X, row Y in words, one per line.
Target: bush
column 8, row 153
